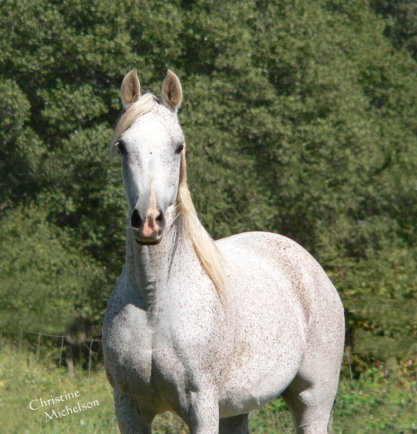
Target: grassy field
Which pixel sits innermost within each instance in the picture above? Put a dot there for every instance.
(372, 404)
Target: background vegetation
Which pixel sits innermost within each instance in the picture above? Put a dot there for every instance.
(300, 118)
(373, 404)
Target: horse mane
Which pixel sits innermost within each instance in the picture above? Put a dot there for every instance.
(204, 247)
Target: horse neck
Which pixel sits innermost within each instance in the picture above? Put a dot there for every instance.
(148, 267)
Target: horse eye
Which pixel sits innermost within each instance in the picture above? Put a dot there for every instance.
(121, 147)
(179, 149)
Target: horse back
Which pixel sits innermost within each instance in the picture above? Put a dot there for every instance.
(274, 265)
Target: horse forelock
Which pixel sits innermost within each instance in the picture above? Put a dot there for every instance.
(140, 107)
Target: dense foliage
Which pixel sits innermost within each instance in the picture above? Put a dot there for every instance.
(300, 118)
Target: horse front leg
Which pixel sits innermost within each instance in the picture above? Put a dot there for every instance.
(203, 414)
(130, 418)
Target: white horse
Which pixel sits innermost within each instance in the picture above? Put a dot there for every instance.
(210, 330)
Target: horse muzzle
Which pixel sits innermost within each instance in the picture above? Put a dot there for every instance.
(148, 231)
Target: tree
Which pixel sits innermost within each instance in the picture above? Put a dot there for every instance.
(300, 118)
(44, 282)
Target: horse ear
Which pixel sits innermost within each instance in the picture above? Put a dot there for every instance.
(130, 90)
(172, 90)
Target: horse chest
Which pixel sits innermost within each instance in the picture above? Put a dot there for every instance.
(127, 344)
(139, 355)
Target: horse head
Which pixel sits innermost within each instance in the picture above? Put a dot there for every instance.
(151, 144)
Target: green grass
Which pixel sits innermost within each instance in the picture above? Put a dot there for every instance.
(372, 404)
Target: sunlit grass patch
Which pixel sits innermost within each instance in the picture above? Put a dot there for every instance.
(372, 404)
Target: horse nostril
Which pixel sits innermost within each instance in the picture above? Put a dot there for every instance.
(135, 220)
(160, 217)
